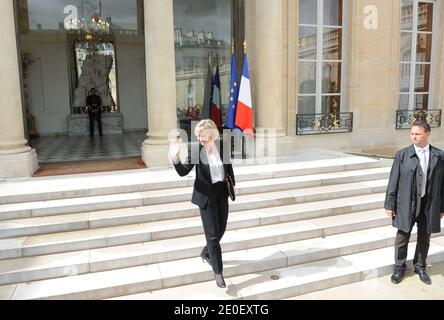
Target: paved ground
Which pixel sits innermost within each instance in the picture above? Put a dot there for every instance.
(71, 149)
(55, 169)
(411, 288)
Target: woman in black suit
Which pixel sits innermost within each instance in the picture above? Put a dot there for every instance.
(210, 192)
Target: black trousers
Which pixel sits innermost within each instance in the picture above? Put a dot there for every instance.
(214, 221)
(422, 244)
(92, 117)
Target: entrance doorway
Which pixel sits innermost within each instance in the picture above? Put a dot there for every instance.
(55, 40)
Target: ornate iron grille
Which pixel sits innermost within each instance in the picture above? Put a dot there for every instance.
(324, 123)
(405, 118)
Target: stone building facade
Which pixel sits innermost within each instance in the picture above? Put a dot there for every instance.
(374, 60)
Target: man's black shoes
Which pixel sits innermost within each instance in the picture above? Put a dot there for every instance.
(398, 275)
(423, 276)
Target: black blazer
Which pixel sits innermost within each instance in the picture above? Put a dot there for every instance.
(203, 186)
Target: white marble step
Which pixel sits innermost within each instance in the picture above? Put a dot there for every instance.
(271, 185)
(87, 185)
(85, 238)
(248, 274)
(117, 257)
(136, 199)
(256, 202)
(315, 276)
(70, 205)
(295, 280)
(143, 214)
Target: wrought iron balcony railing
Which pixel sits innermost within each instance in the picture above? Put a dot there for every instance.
(405, 118)
(324, 123)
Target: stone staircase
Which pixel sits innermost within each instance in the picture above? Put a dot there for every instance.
(296, 227)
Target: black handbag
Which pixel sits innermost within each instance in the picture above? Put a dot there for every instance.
(230, 187)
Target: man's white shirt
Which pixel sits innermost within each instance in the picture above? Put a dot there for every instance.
(424, 156)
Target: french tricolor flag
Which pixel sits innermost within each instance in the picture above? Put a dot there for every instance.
(215, 110)
(244, 110)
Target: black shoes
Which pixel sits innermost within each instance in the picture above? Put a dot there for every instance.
(398, 275)
(423, 276)
(220, 281)
(205, 258)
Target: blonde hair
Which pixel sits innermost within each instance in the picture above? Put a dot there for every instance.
(208, 126)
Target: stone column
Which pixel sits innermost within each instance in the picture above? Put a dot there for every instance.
(16, 159)
(160, 80)
(269, 85)
(438, 85)
(373, 41)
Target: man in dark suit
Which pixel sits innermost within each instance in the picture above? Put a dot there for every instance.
(415, 194)
(94, 107)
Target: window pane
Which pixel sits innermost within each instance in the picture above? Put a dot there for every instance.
(308, 12)
(307, 43)
(202, 29)
(407, 15)
(332, 44)
(422, 81)
(48, 16)
(307, 77)
(403, 102)
(333, 12)
(331, 104)
(421, 101)
(425, 16)
(424, 48)
(404, 77)
(406, 46)
(331, 77)
(306, 105)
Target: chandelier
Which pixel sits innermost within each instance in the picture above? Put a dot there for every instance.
(90, 35)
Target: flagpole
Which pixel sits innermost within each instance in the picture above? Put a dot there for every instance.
(220, 96)
(83, 11)
(211, 86)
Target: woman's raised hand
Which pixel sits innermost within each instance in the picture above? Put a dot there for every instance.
(175, 149)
